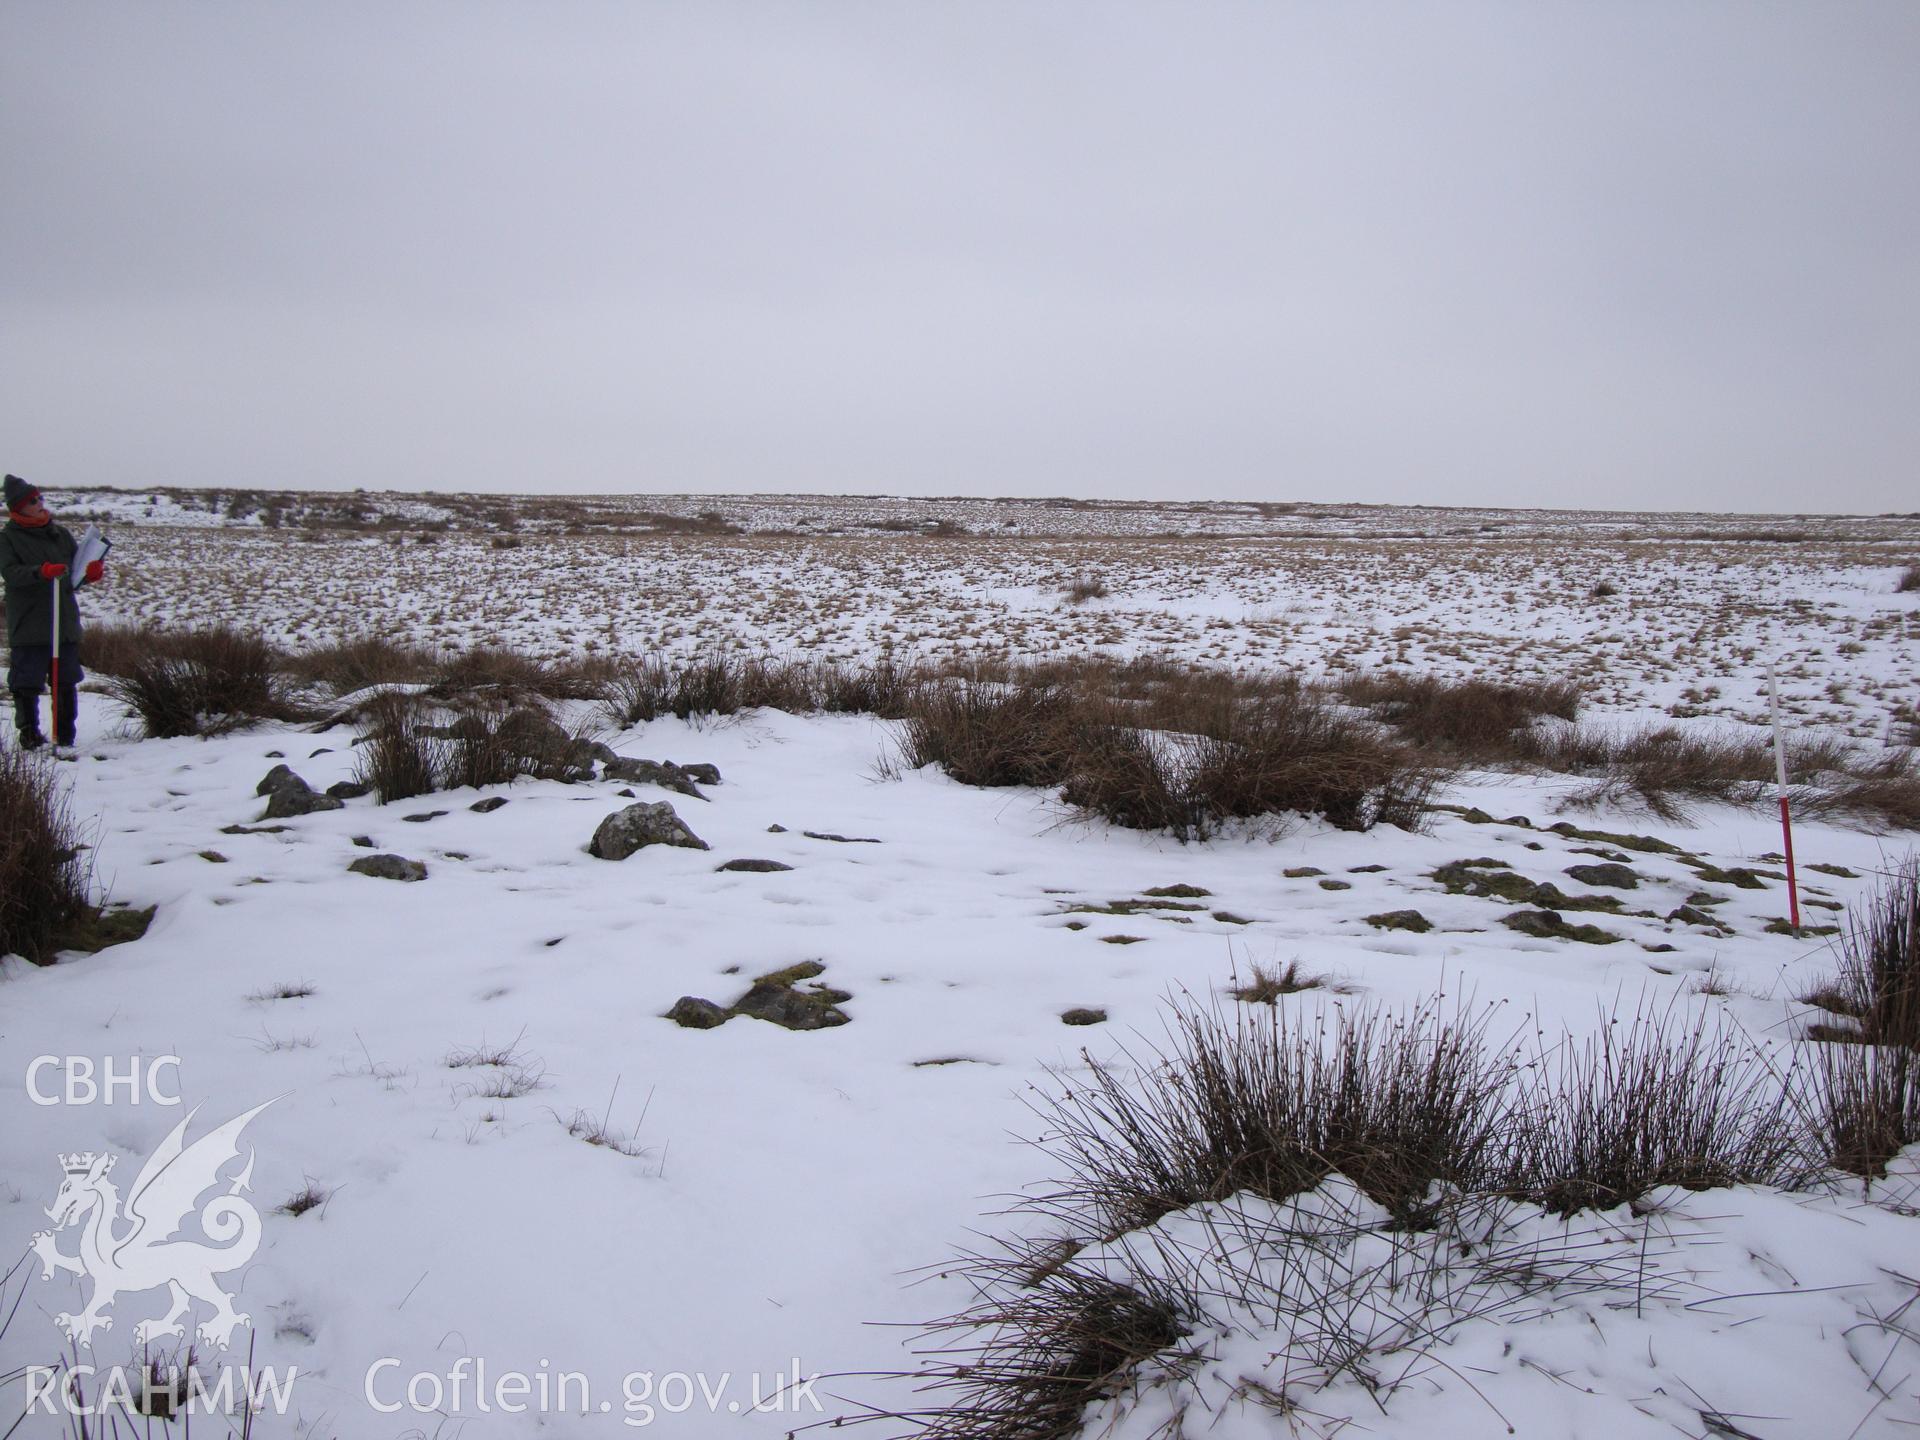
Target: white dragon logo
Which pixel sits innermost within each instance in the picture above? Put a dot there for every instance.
(145, 1255)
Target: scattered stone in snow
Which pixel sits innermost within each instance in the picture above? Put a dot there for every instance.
(1366, 869)
(791, 975)
(1781, 927)
(389, 867)
(1132, 907)
(93, 930)
(288, 795)
(1644, 843)
(1178, 892)
(949, 1060)
(1485, 880)
(701, 773)
(284, 804)
(254, 829)
(638, 826)
(275, 755)
(839, 839)
(1550, 925)
(776, 829)
(1738, 877)
(276, 778)
(1549, 896)
(627, 792)
(213, 857)
(1226, 917)
(754, 867)
(1303, 872)
(1401, 920)
(665, 774)
(348, 790)
(323, 750)
(1618, 877)
(1083, 1017)
(1842, 871)
(793, 1009)
(488, 805)
(365, 842)
(1688, 915)
(1617, 856)
(693, 1013)
(773, 998)
(423, 816)
(1336, 884)
(1121, 939)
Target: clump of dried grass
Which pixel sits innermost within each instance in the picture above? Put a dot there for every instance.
(43, 881)
(1127, 746)
(1671, 1098)
(1344, 1180)
(1668, 770)
(366, 660)
(1880, 959)
(201, 682)
(397, 759)
(1272, 1102)
(1870, 1070)
(407, 750)
(1474, 718)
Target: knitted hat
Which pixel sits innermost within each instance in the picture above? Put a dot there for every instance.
(19, 492)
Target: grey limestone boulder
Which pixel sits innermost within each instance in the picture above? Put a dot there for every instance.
(638, 826)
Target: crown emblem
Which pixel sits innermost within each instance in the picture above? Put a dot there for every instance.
(80, 1164)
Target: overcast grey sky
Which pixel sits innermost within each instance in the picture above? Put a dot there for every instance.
(1644, 253)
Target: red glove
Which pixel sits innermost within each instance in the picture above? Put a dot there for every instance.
(95, 569)
(52, 570)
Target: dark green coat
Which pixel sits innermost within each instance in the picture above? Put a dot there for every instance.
(23, 550)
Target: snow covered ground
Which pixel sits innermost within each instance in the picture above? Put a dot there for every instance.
(1689, 610)
(429, 1048)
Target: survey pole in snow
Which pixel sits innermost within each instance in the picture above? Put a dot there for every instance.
(53, 665)
(1786, 817)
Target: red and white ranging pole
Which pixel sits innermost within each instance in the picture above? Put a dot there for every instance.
(53, 666)
(1786, 817)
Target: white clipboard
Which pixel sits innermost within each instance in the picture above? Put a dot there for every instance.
(93, 546)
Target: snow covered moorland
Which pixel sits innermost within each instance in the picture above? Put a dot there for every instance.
(977, 974)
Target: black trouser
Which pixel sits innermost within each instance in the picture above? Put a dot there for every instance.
(27, 676)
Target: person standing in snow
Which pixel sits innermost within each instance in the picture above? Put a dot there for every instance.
(34, 553)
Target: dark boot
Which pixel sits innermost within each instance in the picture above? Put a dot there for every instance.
(67, 722)
(26, 719)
